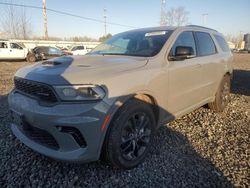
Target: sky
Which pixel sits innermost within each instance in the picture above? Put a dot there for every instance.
(226, 16)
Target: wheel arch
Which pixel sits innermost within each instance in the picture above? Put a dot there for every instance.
(114, 110)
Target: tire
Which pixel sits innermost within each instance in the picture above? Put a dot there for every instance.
(31, 58)
(222, 96)
(127, 143)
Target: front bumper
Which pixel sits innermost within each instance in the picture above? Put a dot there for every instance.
(62, 124)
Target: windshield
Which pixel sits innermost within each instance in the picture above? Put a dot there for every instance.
(135, 43)
(21, 44)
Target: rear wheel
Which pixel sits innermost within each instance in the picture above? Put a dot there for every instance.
(222, 96)
(31, 58)
(129, 138)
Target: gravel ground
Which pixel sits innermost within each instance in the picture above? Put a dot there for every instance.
(202, 149)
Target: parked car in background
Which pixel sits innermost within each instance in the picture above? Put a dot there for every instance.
(11, 50)
(79, 50)
(110, 102)
(45, 52)
(244, 51)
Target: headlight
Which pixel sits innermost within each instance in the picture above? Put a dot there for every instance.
(80, 92)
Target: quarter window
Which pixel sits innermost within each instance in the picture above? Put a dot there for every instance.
(185, 39)
(222, 43)
(205, 44)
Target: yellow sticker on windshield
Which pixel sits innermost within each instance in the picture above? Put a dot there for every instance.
(155, 33)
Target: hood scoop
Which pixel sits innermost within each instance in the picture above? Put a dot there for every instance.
(51, 63)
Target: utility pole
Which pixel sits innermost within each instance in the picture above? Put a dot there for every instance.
(240, 40)
(162, 19)
(45, 20)
(204, 19)
(105, 20)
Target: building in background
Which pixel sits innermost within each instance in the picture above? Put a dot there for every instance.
(231, 45)
(246, 40)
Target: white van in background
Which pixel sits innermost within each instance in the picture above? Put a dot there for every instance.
(79, 50)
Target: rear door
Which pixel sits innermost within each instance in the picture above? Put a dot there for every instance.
(209, 59)
(184, 77)
(4, 50)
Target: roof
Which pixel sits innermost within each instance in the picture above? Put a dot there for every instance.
(202, 27)
(163, 28)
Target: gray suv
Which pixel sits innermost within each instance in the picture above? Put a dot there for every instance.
(110, 102)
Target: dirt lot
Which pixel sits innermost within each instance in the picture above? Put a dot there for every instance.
(201, 149)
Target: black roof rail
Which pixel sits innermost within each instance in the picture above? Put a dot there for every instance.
(201, 27)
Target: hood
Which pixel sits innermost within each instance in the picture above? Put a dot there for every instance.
(80, 69)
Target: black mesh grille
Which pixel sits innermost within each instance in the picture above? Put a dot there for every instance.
(35, 89)
(40, 136)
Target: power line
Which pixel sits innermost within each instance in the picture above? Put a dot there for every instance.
(66, 13)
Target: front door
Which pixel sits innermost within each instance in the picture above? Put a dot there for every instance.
(16, 51)
(184, 77)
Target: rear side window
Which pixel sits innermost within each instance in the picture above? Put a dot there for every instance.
(205, 44)
(222, 43)
(3, 45)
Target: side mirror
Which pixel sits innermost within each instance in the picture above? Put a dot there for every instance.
(183, 52)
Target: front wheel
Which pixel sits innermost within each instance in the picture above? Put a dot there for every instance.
(222, 96)
(130, 135)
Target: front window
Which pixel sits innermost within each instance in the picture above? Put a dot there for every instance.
(185, 39)
(134, 43)
(15, 46)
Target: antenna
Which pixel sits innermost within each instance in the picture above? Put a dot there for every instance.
(45, 20)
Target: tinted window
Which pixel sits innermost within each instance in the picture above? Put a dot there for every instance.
(205, 44)
(222, 43)
(3, 45)
(54, 51)
(41, 50)
(80, 48)
(15, 46)
(74, 48)
(184, 39)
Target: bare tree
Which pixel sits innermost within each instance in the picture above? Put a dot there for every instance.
(25, 26)
(177, 16)
(14, 22)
